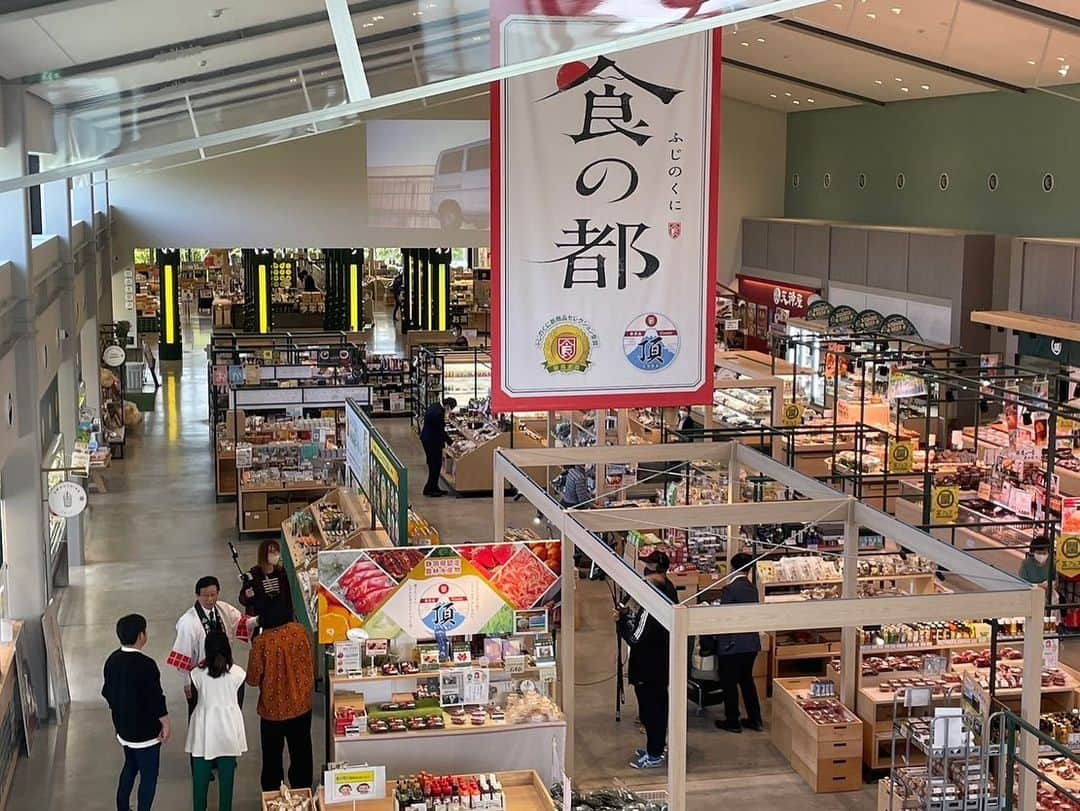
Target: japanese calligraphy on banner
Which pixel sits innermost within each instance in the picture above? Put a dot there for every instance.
(604, 200)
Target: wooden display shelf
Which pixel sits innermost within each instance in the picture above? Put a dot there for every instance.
(524, 791)
(473, 471)
(450, 729)
(826, 756)
(259, 518)
(1022, 322)
(8, 701)
(270, 795)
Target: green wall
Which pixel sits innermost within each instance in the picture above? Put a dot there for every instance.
(1021, 137)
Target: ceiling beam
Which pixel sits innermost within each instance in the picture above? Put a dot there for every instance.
(193, 46)
(12, 10)
(889, 53)
(823, 88)
(356, 83)
(1037, 13)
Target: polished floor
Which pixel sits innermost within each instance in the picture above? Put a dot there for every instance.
(159, 528)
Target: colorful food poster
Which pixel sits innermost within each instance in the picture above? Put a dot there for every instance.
(421, 591)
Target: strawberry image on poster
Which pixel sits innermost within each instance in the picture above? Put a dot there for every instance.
(363, 587)
(524, 579)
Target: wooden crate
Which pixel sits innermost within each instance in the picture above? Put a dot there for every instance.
(830, 775)
(269, 795)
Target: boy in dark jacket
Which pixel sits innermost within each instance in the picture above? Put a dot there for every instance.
(133, 691)
(735, 654)
(649, 641)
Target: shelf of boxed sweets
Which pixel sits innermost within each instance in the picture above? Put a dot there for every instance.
(811, 577)
(340, 519)
(497, 791)
(817, 734)
(390, 381)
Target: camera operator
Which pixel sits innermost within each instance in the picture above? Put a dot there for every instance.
(648, 641)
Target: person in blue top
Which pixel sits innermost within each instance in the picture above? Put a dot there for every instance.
(576, 493)
(1035, 568)
(434, 438)
(735, 654)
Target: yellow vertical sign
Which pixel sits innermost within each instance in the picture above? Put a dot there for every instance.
(945, 504)
(264, 304)
(430, 299)
(354, 297)
(169, 286)
(443, 303)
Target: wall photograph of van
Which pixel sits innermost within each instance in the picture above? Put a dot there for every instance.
(429, 174)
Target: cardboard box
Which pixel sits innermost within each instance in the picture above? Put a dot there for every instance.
(254, 502)
(255, 520)
(296, 505)
(276, 514)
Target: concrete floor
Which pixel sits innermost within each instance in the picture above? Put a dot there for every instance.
(159, 529)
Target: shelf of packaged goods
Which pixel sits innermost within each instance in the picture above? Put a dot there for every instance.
(522, 791)
(427, 674)
(863, 578)
(911, 729)
(449, 729)
(951, 644)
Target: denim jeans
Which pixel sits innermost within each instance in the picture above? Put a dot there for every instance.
(144, 764)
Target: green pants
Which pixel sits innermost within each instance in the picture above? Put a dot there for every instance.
(201, 769)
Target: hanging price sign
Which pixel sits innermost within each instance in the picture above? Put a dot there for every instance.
(901, 457)
(945, 504)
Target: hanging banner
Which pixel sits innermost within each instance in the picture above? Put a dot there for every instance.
(604, 215)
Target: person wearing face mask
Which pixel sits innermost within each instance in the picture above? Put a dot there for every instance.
(648, 666)
(266, 581)
(1035, 568)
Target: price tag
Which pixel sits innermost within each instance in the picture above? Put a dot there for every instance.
(1067, 555)
(547, 674)
(901, 457)
(515, 664)
(945, 504)
(791, 415)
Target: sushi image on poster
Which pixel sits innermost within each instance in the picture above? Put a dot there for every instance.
(420, 592)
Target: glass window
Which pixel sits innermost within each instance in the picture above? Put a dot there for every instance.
(479, 157)
(450, 162)
(33, 166)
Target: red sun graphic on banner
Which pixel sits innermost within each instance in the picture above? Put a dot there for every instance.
(570, 73)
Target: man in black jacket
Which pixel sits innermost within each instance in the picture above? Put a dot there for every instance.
(735, 654)
(133, 690)
(649, 642)
(434, 438)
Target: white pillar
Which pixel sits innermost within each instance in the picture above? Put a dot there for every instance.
(567, 649)
(849, 640)
(21, 476)
(1031, 695)
(678, 668)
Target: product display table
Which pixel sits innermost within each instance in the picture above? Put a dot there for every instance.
(11, 717)
(524, 791)
(463, 750)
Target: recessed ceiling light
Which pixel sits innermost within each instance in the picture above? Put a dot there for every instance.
(772, 95)
(1061, 59)
(903, 90)
(896, 9)
(794, 101)
(1063, 71)
(809, 101)
(897, 78)
(871, 15)
(788, 95)
(368, 25)
(378, 18)
(925, 87)
(418, 14)
(878, 81)
(477, 38)
(761, 39)
(745, 44)
(838, 5)
(1031, 61)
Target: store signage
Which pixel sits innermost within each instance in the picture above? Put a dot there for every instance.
(425, 592)
(901, 457)
(1047, 348)
(732, 324)
(843, 316)
(945, 504)
(897, 325)
(604, 214)
(67, 499)
(1067, 554)
(869, 321)
(903, 385)
(819, 310)
(354, 784)
(791, 415)
(113, 356)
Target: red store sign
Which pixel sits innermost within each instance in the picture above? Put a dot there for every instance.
(770, 303)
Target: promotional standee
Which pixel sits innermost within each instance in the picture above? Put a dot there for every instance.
(604, 218)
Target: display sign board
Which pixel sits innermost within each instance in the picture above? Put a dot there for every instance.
(868, 321)
(354, 784)
(1067, 555)
(901, 457)
(897, 325)
(113, 355)
(944, 504)
(903, 385)
(819, 310)
(604, 210)
(843, 316)
(791, 415)
(389, 491)
(357, 446)
(428, 591)
(67, 499)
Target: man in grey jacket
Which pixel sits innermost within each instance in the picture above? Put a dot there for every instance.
(735, 654)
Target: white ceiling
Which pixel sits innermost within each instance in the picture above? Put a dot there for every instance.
(837, 62)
